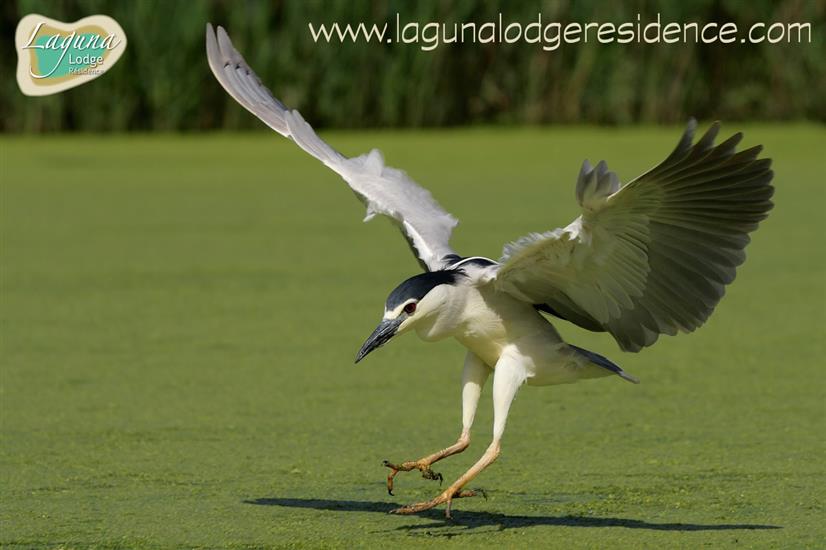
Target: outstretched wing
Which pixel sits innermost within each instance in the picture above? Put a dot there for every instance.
(383, 190)
(654, 256)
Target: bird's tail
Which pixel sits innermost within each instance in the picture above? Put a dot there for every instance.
(605, 363)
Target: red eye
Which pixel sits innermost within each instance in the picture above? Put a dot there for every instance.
(410, 308)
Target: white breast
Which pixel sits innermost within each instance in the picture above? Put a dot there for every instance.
(494, 322)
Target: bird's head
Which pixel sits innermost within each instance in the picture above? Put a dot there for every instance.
(416, 302)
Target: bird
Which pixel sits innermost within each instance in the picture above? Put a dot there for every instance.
(649, 257)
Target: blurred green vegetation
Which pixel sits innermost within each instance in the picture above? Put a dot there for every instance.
(163, 83)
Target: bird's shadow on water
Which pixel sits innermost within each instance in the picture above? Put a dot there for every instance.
(473, 520)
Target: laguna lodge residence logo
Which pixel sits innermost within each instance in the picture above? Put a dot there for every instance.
(53, 56)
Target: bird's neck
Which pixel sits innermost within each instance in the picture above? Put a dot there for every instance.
(479, 317)
(447, 320)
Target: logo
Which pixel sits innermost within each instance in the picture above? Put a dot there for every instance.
(54, 56)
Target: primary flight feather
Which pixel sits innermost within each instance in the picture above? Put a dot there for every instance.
(653, 256)
(382, 189)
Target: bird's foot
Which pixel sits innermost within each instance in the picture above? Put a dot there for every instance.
(421, 465)
(446, 497)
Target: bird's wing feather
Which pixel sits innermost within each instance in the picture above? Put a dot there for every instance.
(654, 256)
(383, 190)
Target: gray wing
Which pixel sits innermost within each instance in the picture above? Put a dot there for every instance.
(654, 256)
(383, 190)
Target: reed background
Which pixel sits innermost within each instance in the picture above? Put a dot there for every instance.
(159, 83)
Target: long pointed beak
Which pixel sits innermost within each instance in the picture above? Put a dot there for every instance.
(383, 333)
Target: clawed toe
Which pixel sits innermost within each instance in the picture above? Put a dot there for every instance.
(427, 473)
(419, 507)
(472, 493)
(442, 498)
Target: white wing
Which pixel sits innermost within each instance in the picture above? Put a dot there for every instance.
(382, 189)
(652, 257)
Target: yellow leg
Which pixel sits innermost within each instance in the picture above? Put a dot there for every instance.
(508, 376)
(456, 488)
(474, 375)
(424, 464)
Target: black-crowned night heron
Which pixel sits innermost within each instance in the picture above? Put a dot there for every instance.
(651, 257)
